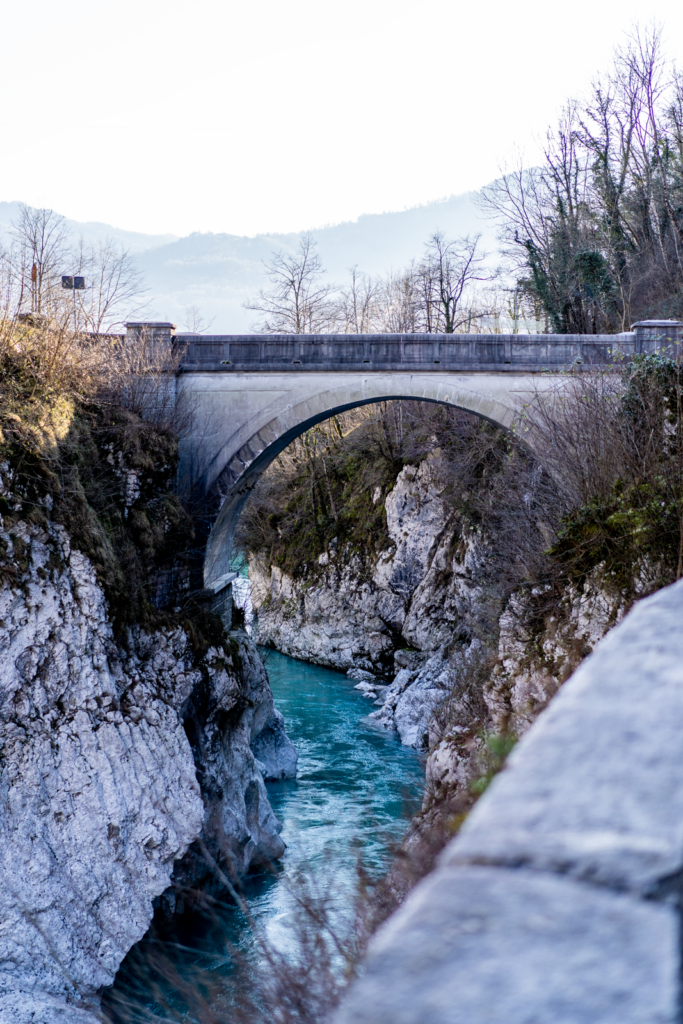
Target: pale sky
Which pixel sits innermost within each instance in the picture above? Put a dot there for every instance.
(161, 115)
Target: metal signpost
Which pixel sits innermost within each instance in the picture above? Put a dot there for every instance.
(76, 284)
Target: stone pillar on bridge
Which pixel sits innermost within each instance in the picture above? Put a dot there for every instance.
(658, 335)
(158, 330)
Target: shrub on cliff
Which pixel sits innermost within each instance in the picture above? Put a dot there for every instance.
(76, 449)
(615, 441)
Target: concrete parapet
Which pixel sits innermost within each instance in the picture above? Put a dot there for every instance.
(654, 335)
(154, 330)
(558, 902)
(482, 945)
(232, 353)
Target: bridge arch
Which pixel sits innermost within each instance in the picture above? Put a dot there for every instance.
(236, 467)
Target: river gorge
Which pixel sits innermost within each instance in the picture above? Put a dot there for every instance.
(419, 600)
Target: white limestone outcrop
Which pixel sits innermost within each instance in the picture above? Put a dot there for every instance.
(99, 788)
(370, 622)
(347, 615)
(409, 703)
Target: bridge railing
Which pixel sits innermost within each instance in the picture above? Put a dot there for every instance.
(413, 352)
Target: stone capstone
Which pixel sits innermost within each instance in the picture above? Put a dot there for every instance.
(483, 946)
(595, 788)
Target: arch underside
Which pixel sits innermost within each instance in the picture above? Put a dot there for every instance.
(263, 442)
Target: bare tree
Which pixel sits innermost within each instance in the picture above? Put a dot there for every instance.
(357, 304)
(595, 233)
(298, 302)
(114, 286)
(444, 273)
(437, 294)
(397, 303)
(42, 251)
(41, 246)
(195, 322)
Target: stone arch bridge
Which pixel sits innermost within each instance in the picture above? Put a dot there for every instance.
(251, 395)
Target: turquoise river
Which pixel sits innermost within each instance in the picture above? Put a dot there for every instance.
(355, 791)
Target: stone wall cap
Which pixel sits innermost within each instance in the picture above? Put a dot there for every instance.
(482, 945)
(657, 323)
(154, 324)
(594, 789)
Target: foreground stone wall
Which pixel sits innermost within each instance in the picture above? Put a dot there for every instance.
(558, 902)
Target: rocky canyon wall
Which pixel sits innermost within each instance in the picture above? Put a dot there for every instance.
(118, 751)
(449, 650)
(425, 612)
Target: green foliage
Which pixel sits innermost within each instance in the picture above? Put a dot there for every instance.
(496, 749)
(337, 505)
(572, 283)
(331, 494)
(656, 377)
(116, 500)
(635, 531)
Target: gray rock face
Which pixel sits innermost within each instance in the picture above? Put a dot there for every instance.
(520, 686)
(414, 696)
(405, 612)
(353, 617)
(231, 723)
(274, 750)
(418, 592)
(99, 794)
(557, 901)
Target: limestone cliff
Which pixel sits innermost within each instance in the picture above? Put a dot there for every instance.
(352, 612)
(466, 654)
(117, 752)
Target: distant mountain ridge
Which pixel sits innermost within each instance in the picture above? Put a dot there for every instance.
(219, 272)
(136, 241)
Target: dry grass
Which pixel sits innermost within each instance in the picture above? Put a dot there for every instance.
(174, 974)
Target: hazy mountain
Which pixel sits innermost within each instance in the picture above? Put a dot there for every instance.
(219, 272)
(92, 230)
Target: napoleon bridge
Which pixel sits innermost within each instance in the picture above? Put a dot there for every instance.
(251, 395)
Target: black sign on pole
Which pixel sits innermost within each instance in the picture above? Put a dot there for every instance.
(73, 284)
